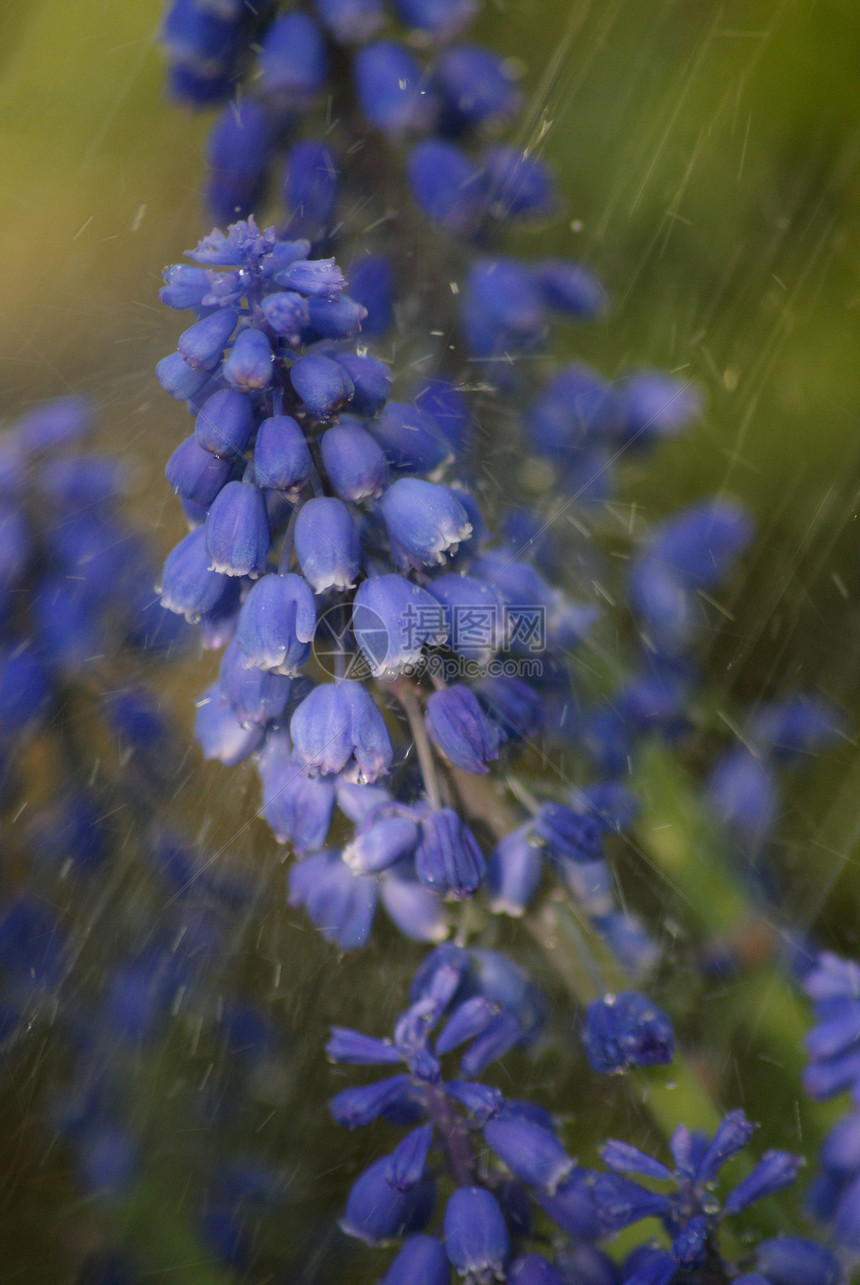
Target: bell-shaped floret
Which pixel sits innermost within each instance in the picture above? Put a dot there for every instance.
(371, 381)
(421, 1261)
(354, 462)
(277, 623)
(392, 620)
(376, 1211)
(448, 858)
(293, 60)
(529, 1150)
(297, 807)
(179, 379)
(475, 87)
(238, 150)
(518, 184)
(202, 345)
(237, 531)
(225, 423)
(188, 585)
(340, 903)
(321, 384)
(392, 89)
(425, 521)
(476, 1235)
(371, 283)
(514, 873)
(411, 438)
(282, 457)
(338, 728)
(196, 474)
(249, 366)
(445, 184)
(379, 844)
(220, 734)
(310, 189)
(327, 544)
(255, 696)
(459, 728)
(569, 288)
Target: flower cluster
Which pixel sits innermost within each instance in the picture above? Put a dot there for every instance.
(833, 1045)
(384, 650)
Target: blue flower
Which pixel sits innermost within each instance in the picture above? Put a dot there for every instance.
(293, 59)
(448, 858)
(338, 729)
(277, 623)
(237, 531)
(691, 1213)
(626, 1030)
(476, 1235)
(327, 544)
(351, 21)
(391, 88)
(425, 522)
(459, 728)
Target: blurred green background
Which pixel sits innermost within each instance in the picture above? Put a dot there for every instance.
(709, 153)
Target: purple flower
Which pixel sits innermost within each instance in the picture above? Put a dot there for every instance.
(351, 21)
(448, 858)
(293, 59)
(188, 584)
(310, 189)
(321, 384)
(282, 458)
(277, 623)
(225, 423)
(476, 1236)
(459, 728)
(626, 1030)
(391, 88)
(425, 522)
(237, 531)
(327, 543)
(338, 728)
(354, 462)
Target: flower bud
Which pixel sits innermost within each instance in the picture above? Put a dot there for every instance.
(249, 366)
(448, 858)
(327, 544)
(321, 384)
(458, 726)
(338, 728)
(293, 59)
(354, 462)
(282, 458)
(277, 623)
(476, 1237)
(391, 88)
(237, 531)
(424, 521)
(225, 423)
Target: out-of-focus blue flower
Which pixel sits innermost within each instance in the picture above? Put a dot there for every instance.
(392, 89)
(627, 1030)
(293, 60)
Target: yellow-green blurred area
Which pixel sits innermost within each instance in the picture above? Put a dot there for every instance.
(708, 153)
